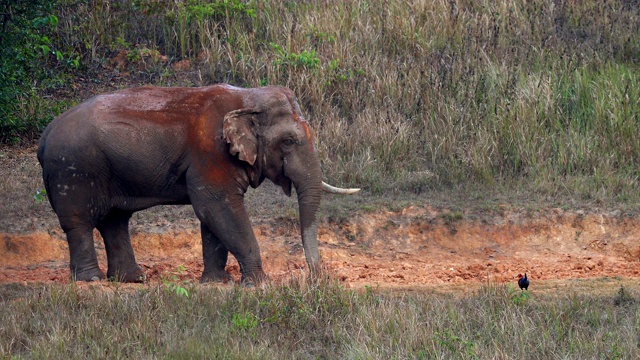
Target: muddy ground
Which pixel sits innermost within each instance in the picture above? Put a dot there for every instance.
(410, 244)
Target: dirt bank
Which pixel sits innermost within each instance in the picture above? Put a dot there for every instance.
(412, 247)
(417, 246)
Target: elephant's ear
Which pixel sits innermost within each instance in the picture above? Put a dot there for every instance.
(238, 131)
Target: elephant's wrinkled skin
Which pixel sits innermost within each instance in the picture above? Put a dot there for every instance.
(129, 150)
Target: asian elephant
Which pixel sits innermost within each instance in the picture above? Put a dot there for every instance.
(129, 150)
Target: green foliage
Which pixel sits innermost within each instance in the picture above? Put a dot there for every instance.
(518, 296)
(174, 284)
(245, 322)
(40, 196)
(305, 59)
(220, 9)
(32, 62)
(451, 217)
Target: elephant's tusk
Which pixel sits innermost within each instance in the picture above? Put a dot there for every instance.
(336, 190)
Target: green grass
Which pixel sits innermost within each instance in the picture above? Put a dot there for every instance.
(313, 319)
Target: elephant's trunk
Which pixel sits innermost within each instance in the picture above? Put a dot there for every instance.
(309, 196)
(307, 180)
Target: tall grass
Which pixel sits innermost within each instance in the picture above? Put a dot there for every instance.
(313, 319)
(414, 95)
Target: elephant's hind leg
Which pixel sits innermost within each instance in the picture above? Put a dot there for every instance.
(215, 256)
(83, 260)
(114, 228)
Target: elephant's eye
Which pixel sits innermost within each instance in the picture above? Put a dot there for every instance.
(288, 142)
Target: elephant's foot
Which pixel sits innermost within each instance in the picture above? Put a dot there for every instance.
(134, 274)
(215, 276)
(254, 278)
(90, 274)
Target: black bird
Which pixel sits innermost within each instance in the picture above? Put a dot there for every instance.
(523, 282)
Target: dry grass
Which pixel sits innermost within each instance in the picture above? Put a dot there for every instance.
(21, 180)
(305, 318)
(414, 95)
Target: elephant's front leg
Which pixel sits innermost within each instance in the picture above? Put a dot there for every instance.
(228, 225)
(215, 255)
(114, 228)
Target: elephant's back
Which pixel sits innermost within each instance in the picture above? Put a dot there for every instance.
(144, 115)
(69, 126)
(161, 103)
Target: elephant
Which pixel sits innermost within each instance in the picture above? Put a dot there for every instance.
(128, 150)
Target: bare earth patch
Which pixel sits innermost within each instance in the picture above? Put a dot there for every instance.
(416, 247)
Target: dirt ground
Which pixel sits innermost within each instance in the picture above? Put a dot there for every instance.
(417, 246)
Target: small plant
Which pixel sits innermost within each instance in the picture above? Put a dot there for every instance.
(520, 297)
(40, 196)
(451, 217)
(340, 74)
(173, 283)
(305, 59)
(246, 322)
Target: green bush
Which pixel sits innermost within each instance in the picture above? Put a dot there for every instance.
(32, 63)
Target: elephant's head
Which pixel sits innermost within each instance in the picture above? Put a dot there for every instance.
(272, 137)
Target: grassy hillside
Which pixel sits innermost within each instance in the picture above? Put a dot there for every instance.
(403, 95)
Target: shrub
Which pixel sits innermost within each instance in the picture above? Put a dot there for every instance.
(31, 62)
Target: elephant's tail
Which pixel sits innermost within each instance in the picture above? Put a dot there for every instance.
(42, 146)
